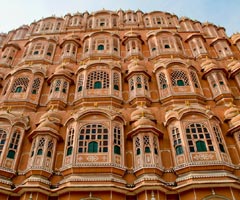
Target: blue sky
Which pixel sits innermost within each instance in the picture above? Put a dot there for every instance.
(226, 13)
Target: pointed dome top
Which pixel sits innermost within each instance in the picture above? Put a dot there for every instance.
(208, 64)
(136, 66)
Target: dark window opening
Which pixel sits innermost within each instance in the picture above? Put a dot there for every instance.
(100, 47)
(201, 146)
(138, 151)
(167, 46)
(116, 87)
(79, 88)
(180, 82)
(179, 150)
(154, 49)
(11, 154)
(49, 154)
(39, 152)
(93, 147)
(221, 147)
(139, 85)
(97, 85)
(69, 151)
(147, 150)
(18, 89)
(117, 150)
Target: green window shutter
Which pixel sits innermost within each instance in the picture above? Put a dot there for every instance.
(201, 146)
(11, 154)
(147, 150)
(117, 150)
(18, 89)
(93, 147)
(69, 151)
(100, 47)
(180, 82)
(116, 87)
(97, 85)
(39, 152)
(179, 150)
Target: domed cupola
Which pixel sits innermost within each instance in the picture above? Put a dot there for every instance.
(232, 116)
(142, 117)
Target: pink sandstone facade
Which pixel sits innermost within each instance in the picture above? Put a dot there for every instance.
(119, 105)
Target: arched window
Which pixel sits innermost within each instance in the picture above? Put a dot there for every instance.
(69, 143)
(65, 86)
(20, 85)
(100, 47)
(137, 145)
(139, 82)
(93, 138)
(13, 145)
(155, 145)
(219, 139)
(179, 78)
(131, 84)
(180, 82)
(199, 138)
(57, 86)
(117, 140)
(39, 152)
(162, 81)
(18, 89)
(40, 147)
(179, 150)
(116, 81)
(98, 76)
(35, 85)
(177, 142)
(50, 149)
(3, 136)
(146, 144)
(194, 79)
(80, 83)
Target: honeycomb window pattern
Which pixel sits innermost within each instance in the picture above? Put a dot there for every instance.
(98, 76)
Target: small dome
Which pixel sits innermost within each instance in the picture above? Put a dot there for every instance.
(208, 64)
(143, 121)
(135, 66)
(140, 112)
(47, 124)
(63, 70)
(51, 119)
(235, 121)
(231, 112)
(233, 65)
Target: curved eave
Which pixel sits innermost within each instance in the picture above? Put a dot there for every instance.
(144, 129)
